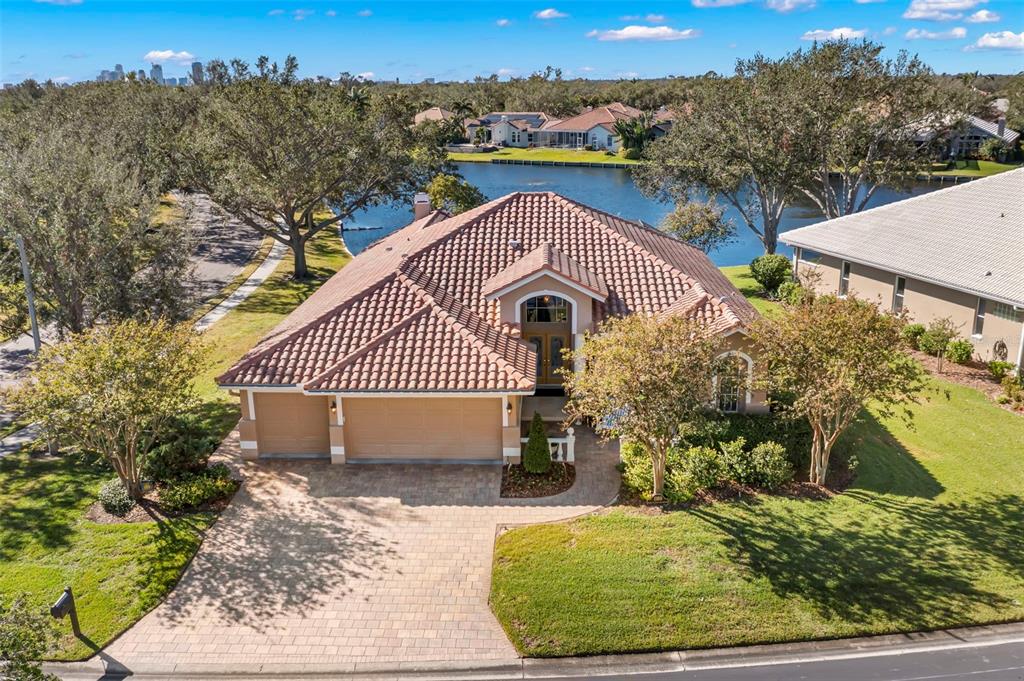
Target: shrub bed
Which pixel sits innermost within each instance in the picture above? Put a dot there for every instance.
(115, 499)
(198, 490)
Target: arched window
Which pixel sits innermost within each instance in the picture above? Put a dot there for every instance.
(547, 308)
(732, 385)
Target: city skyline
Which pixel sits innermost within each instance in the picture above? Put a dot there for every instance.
(457, 41)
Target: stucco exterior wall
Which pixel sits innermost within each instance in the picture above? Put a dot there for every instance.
(292, 423)
(583, 307)
(756, 399)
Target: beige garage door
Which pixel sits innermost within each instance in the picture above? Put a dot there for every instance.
(287, 423)
(422, 428)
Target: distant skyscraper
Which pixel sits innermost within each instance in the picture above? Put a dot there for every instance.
(118, 72)
(157, 73)
(197, 72)
(105, 75)
(141, 74)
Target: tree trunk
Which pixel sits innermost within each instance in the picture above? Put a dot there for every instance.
(298, 246)
(659, 455)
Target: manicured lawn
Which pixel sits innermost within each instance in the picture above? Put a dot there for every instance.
(118, 572)
(929, 535)
(570, 155)
(740, 277)
(975, 168)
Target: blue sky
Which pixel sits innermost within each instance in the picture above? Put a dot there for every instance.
(72, 40)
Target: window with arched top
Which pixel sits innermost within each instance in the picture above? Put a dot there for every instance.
(732, 384)
(547, 308)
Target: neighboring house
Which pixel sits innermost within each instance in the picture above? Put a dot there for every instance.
(594, 127)
(956, 252)
(434, 113)
(500, 126)
(967, 138)
(425, 345)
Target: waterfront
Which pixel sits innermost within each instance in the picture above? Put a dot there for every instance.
(607, 189)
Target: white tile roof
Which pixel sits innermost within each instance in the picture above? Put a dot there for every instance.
(968, 237)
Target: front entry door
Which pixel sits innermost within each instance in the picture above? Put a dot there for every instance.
(549, 348)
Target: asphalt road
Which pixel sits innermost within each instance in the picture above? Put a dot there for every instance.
(1004, 662)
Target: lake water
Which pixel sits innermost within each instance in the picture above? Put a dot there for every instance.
(608, 189)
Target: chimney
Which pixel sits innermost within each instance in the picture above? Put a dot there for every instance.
(1002, 125)
(420, 206)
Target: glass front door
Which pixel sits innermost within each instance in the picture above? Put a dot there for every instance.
(549, 347)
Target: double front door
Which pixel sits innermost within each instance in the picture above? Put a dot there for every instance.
(549, 347)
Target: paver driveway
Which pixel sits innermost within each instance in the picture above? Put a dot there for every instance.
(351, 564)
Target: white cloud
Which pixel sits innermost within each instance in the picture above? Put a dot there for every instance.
(784, 6)
(64, 3)
(939, 10)
(62, 79)
(1000, 40)
(331, 13)
(983, 16)
(275, 12)
(649, 18)
(301, 14)
(169, 56)
(365, 13)
(647, 33)
(889, 30)
(921, 34)
(586, 69)
(550, 13)
(502, 22)
(841, 33)
(365, 75)
(506, 72)
(718, 3)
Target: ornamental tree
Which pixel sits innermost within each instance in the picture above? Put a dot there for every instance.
(835, 356)
(645, 379)
(701, 224)
(453, 194)
(114, 391)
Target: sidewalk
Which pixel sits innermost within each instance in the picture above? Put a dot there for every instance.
(105, 667)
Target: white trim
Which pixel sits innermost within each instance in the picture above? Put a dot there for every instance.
(249, 444)
(504, 411)
(979, 311)
(545, 272)
(1020, 353)
(337, 450)
(340, 416)
(750, 373)
(535, 294)
(383, 393)
(252, 405)
(843, 265)
(895, 288)
(511, 452)
(263, 388)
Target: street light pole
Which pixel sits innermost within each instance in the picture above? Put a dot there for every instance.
(26, 274)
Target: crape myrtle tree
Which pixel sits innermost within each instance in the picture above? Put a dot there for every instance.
(81, 174)
(873, 122)
(645, 379)
(742, 138)
(701, 224)
(114, 391)
(835, 356)
(275, 151)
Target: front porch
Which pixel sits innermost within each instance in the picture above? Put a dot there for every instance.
(562, 441)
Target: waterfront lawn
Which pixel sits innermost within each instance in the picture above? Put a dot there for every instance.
(928, 536)
(740, 277)
(118, 572)
(972, 168)
(564, 155)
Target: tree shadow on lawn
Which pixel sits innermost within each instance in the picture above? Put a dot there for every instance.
(885, 465)
(45, 498)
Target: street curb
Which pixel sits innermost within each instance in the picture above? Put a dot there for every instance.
(567, 667)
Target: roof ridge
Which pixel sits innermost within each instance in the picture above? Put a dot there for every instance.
(369, 345)
(247, 360)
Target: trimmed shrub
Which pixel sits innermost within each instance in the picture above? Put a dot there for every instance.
(537, 458)
(115, 499)
(736, 462)
(769, 465)
(936, 339)
(588, 147)
(630, 154)
(999, 369)
(184, 453)
(679, 487)
(793, 293)
(960, 351)
(196, 490)
(1013, 390)
(793, 434)
(912, 334)
(637, 473)
(703, 467)
(770, 271)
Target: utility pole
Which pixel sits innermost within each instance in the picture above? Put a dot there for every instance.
(26, 274)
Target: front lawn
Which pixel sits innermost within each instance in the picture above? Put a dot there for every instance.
(739, 276)
(973, 168)
(564, 155)
(929, 535)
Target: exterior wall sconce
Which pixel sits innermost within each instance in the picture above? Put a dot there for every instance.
(508, 407)
(334, 406)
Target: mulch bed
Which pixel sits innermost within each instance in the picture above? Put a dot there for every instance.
(149, 510)
(972, 375)
(516, 483)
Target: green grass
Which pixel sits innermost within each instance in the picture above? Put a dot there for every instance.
(570, 155)
(973, 168)
(928, 536)
(118, 572)
(740, 277)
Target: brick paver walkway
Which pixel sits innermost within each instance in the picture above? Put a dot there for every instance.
(351, 564)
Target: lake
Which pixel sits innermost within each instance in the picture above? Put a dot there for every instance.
(608, 189)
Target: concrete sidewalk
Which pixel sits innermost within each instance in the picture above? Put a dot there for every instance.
(767, 656)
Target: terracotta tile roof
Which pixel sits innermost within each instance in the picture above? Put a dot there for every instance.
(604, 116)
(546, 257)
(411, 312)
(434, 113)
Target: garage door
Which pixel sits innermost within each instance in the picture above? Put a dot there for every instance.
(287, 423)
(428, 428)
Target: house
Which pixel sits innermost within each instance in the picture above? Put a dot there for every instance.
(956, 252)
(425, 346)
(966, 139)
(594, 127)
(511, 128)
(434, 113)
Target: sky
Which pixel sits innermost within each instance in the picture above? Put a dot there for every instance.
(72, 40)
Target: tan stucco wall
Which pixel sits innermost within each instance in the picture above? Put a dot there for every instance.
(292, 423)
(423, 428)
(741, 343)
(923, 301)
(583, 303)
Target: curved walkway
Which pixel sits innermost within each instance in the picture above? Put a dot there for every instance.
(355, 564)
(266, 268)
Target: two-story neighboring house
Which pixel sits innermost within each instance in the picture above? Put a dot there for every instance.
(956, 252)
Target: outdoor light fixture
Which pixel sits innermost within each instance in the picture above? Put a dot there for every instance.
(334, 406)
(508, 407)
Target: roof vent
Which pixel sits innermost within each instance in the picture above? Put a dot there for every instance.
(515, 244)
